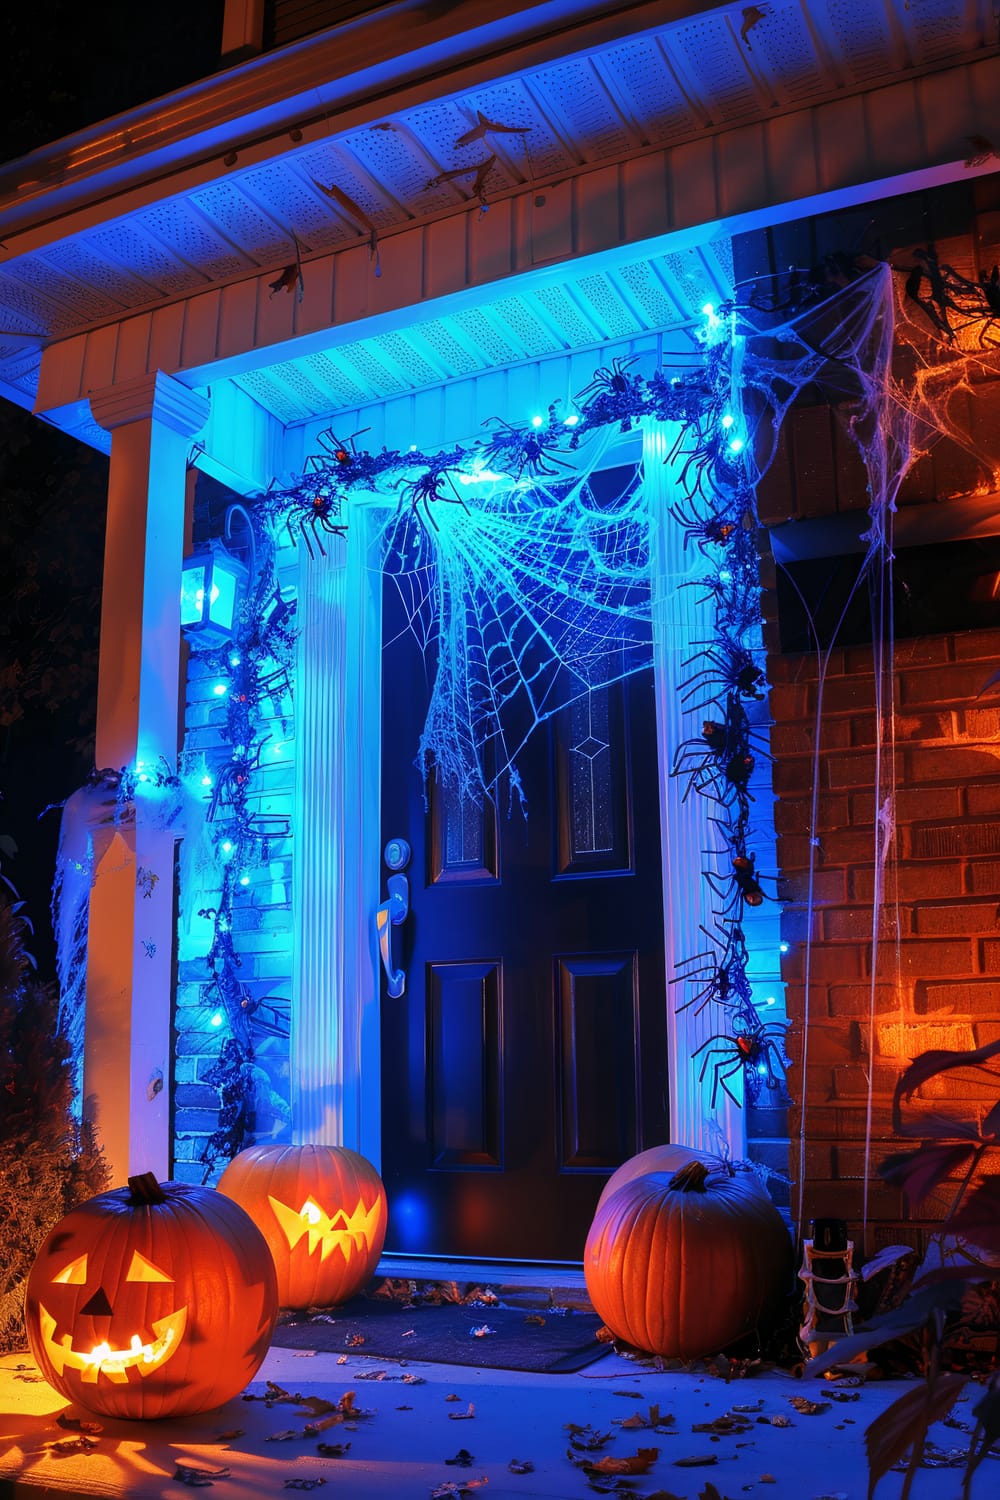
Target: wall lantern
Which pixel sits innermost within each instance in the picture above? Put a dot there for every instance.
(213, 584)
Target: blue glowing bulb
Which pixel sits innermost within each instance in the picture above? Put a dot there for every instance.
(571, 421)
(227, 846)
(770, 1000)
(736, 446)
(218, 1018)
(244, 880)
(234, 660)
(728, 420)
(783, 947)
(725, 576)
(708, 309)
(219, 690)
(537, 421)
(206, 780)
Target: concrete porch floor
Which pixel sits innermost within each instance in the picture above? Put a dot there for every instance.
(418, 1415)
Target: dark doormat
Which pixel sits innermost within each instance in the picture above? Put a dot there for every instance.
(553, 1341)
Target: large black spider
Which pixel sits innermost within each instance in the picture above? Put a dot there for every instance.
(720, 762)
(720, 974)
(315, 516)
(613, 395)
(756, 1049)
(534, 450)
(728, 666)
(428, 489)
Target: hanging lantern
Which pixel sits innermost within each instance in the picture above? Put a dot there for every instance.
(322, 1210)
(213, 583)
(155, 1300)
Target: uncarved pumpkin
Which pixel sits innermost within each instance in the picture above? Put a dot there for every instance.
(322, 1210)
(685, 1263)
(155, 1300)
(670, 1158)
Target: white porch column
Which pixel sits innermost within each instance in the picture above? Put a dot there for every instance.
(126, 1065)
(335, 989)
(680, 621)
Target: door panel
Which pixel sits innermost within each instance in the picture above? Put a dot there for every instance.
(527, 1057)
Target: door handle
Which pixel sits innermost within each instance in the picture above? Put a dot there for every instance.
(390, 916)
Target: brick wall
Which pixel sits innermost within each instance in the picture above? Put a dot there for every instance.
(262, 914)
(942, 890)
(936, 944)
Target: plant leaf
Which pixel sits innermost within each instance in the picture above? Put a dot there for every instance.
(888, 1256)
(929, 1064)
(978, 1218)
(902, 1425)
(987, 1414)
(919, 1172)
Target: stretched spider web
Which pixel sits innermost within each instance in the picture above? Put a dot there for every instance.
(528, 593)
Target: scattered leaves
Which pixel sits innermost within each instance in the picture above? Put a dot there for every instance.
(77, 1424)
(587, 1439)
(77, 1443)
(286, 1435)
(808, 1408)
(333, 1450)
(521, 1466)
(198, 1477)
(482, 1332)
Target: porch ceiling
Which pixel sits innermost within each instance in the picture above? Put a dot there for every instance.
(701, 74)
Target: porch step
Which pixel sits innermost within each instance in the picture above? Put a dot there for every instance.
(516, 1283)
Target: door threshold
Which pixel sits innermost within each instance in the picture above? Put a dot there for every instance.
(519, 1282)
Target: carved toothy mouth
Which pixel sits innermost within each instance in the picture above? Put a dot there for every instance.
(347, 1233)
(113, 1363)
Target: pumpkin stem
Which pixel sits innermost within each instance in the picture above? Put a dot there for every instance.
(145, 1189)
(690, 1178)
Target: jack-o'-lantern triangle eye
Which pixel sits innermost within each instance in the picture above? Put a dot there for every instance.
(142, 1269)
(75, 1274)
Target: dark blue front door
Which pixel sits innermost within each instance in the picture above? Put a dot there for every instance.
(526, 1057)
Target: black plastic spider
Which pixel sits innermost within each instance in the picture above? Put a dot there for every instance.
(756, 1050)
(721, 975)
(720, 762)
(613, 395)
(741, 888)
(428, 489)
(534, 450)
(728, 666)
(317, 516)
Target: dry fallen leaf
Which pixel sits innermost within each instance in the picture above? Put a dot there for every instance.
(639, 1463)
(808, 1408)
(462, 1416)
(521, 1466)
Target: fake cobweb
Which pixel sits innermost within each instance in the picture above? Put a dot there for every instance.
(525, 593)
(523, 561)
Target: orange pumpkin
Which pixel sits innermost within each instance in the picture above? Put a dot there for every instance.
(155, 1300)
(685, 1264)
(322, 1210)
(670, 1158)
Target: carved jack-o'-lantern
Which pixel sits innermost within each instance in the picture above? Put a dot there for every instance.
(154, 1300)
(322, 1210)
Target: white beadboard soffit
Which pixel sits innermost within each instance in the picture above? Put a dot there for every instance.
(708, 72)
